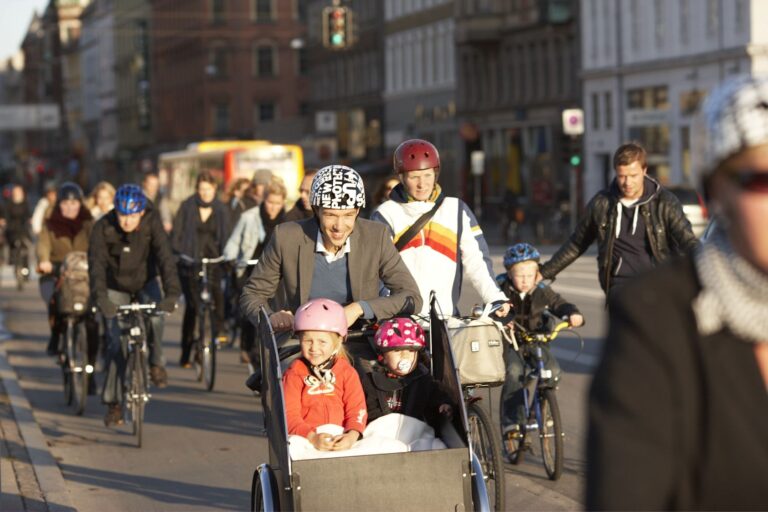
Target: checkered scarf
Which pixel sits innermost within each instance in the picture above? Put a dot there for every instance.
(734, 294)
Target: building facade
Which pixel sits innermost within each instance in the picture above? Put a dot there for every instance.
(420, 84)
(646, 67)
(346, 100)
(227, 69)
(11, 142)
(518, 64)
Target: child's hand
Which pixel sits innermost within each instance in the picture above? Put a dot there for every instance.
(345, 441)
(576, 320)
(445, 409)
(322, 442)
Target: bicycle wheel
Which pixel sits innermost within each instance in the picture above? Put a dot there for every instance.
(78, 360)
(136, 380)
(551, 434)
(66, 364)
(209, 353)
(486, 445)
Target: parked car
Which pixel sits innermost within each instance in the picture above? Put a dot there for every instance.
(693, 207)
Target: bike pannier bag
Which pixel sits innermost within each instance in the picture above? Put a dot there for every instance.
(73, 291)
(478, 350)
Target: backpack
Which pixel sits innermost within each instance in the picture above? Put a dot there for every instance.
(73, 290)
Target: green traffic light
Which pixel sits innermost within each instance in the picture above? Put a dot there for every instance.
(575, 160)
(337, 39)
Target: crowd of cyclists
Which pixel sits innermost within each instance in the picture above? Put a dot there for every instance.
(417, 243)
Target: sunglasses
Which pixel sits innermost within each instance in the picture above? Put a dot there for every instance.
(750, 180)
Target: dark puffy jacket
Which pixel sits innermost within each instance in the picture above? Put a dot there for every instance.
(127, 261)
(529, 311)
(667, 229)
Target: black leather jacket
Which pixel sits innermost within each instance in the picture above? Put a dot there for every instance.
(667, 229)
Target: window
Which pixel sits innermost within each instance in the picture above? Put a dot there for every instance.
(304, 109)
(218, 61)
(608, 107)
(221, 119)
(262, 10)
(302, 64)
(217, 11)
(660, 27)
(713, 18)
(595, 111)
(265, 112)
(648, 98)
(264, 60)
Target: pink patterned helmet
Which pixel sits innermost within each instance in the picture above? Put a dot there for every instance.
(399, 334)
(321, 315)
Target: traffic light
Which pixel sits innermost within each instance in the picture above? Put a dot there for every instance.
(572, 153)
(337, 27)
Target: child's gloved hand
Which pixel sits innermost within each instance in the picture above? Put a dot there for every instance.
(346, 440)
(576, 320)
(445, 409)
(322, 442)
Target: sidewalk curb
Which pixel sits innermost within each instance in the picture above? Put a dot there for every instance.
(47, 471)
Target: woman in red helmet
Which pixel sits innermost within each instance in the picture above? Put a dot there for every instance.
(438, 237)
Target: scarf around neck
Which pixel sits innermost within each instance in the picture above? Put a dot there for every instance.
(734, 293)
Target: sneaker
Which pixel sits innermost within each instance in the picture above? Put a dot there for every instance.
(114, 415)
(158, 376)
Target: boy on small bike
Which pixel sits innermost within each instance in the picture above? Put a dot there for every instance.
(128, 246)
(529, 303)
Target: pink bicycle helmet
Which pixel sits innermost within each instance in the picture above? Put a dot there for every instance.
(399, 334)
(321, 315)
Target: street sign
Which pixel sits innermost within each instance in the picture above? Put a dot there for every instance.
(325, 121)
(477, 160)
(29, 117)
(573, 121)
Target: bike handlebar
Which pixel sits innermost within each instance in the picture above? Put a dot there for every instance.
(204, 261)
(125, 309)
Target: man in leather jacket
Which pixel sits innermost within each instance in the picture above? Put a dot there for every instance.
(636, 222)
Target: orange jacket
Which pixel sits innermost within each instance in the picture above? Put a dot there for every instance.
(311, 404)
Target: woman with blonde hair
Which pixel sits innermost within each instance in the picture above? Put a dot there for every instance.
(101, 200)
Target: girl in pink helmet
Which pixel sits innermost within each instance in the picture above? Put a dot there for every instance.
(324, 400)
(399, 382)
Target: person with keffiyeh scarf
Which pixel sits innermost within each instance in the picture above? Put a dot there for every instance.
(678, 408)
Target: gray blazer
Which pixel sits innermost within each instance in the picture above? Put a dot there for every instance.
(289, 258)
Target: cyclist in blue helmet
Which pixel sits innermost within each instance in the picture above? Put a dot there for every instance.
(528, 304)
(130, 199)
(129, 249)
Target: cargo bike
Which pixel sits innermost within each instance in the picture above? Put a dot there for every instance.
(445, 479)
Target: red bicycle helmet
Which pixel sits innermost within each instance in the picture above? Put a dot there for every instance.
(415, 155)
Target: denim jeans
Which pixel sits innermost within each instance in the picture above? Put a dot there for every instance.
(116, 351)
(512, 398)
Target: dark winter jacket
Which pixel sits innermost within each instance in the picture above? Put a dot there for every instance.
(529, 311)
(125, 262)
(677, 420)
(667, 229)
(297, 212)
(17, 216)
(184, 234)
(418, 394)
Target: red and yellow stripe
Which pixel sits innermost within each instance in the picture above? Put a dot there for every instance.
(437, 237)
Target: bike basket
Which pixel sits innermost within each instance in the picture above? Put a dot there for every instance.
(478, 350)
(72, 291)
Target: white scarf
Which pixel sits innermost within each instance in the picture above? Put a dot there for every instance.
(734, 294)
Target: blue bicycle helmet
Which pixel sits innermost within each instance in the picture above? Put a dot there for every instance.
(130, 199)
(520, 252)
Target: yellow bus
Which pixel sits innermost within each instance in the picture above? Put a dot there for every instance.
(229, 161)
